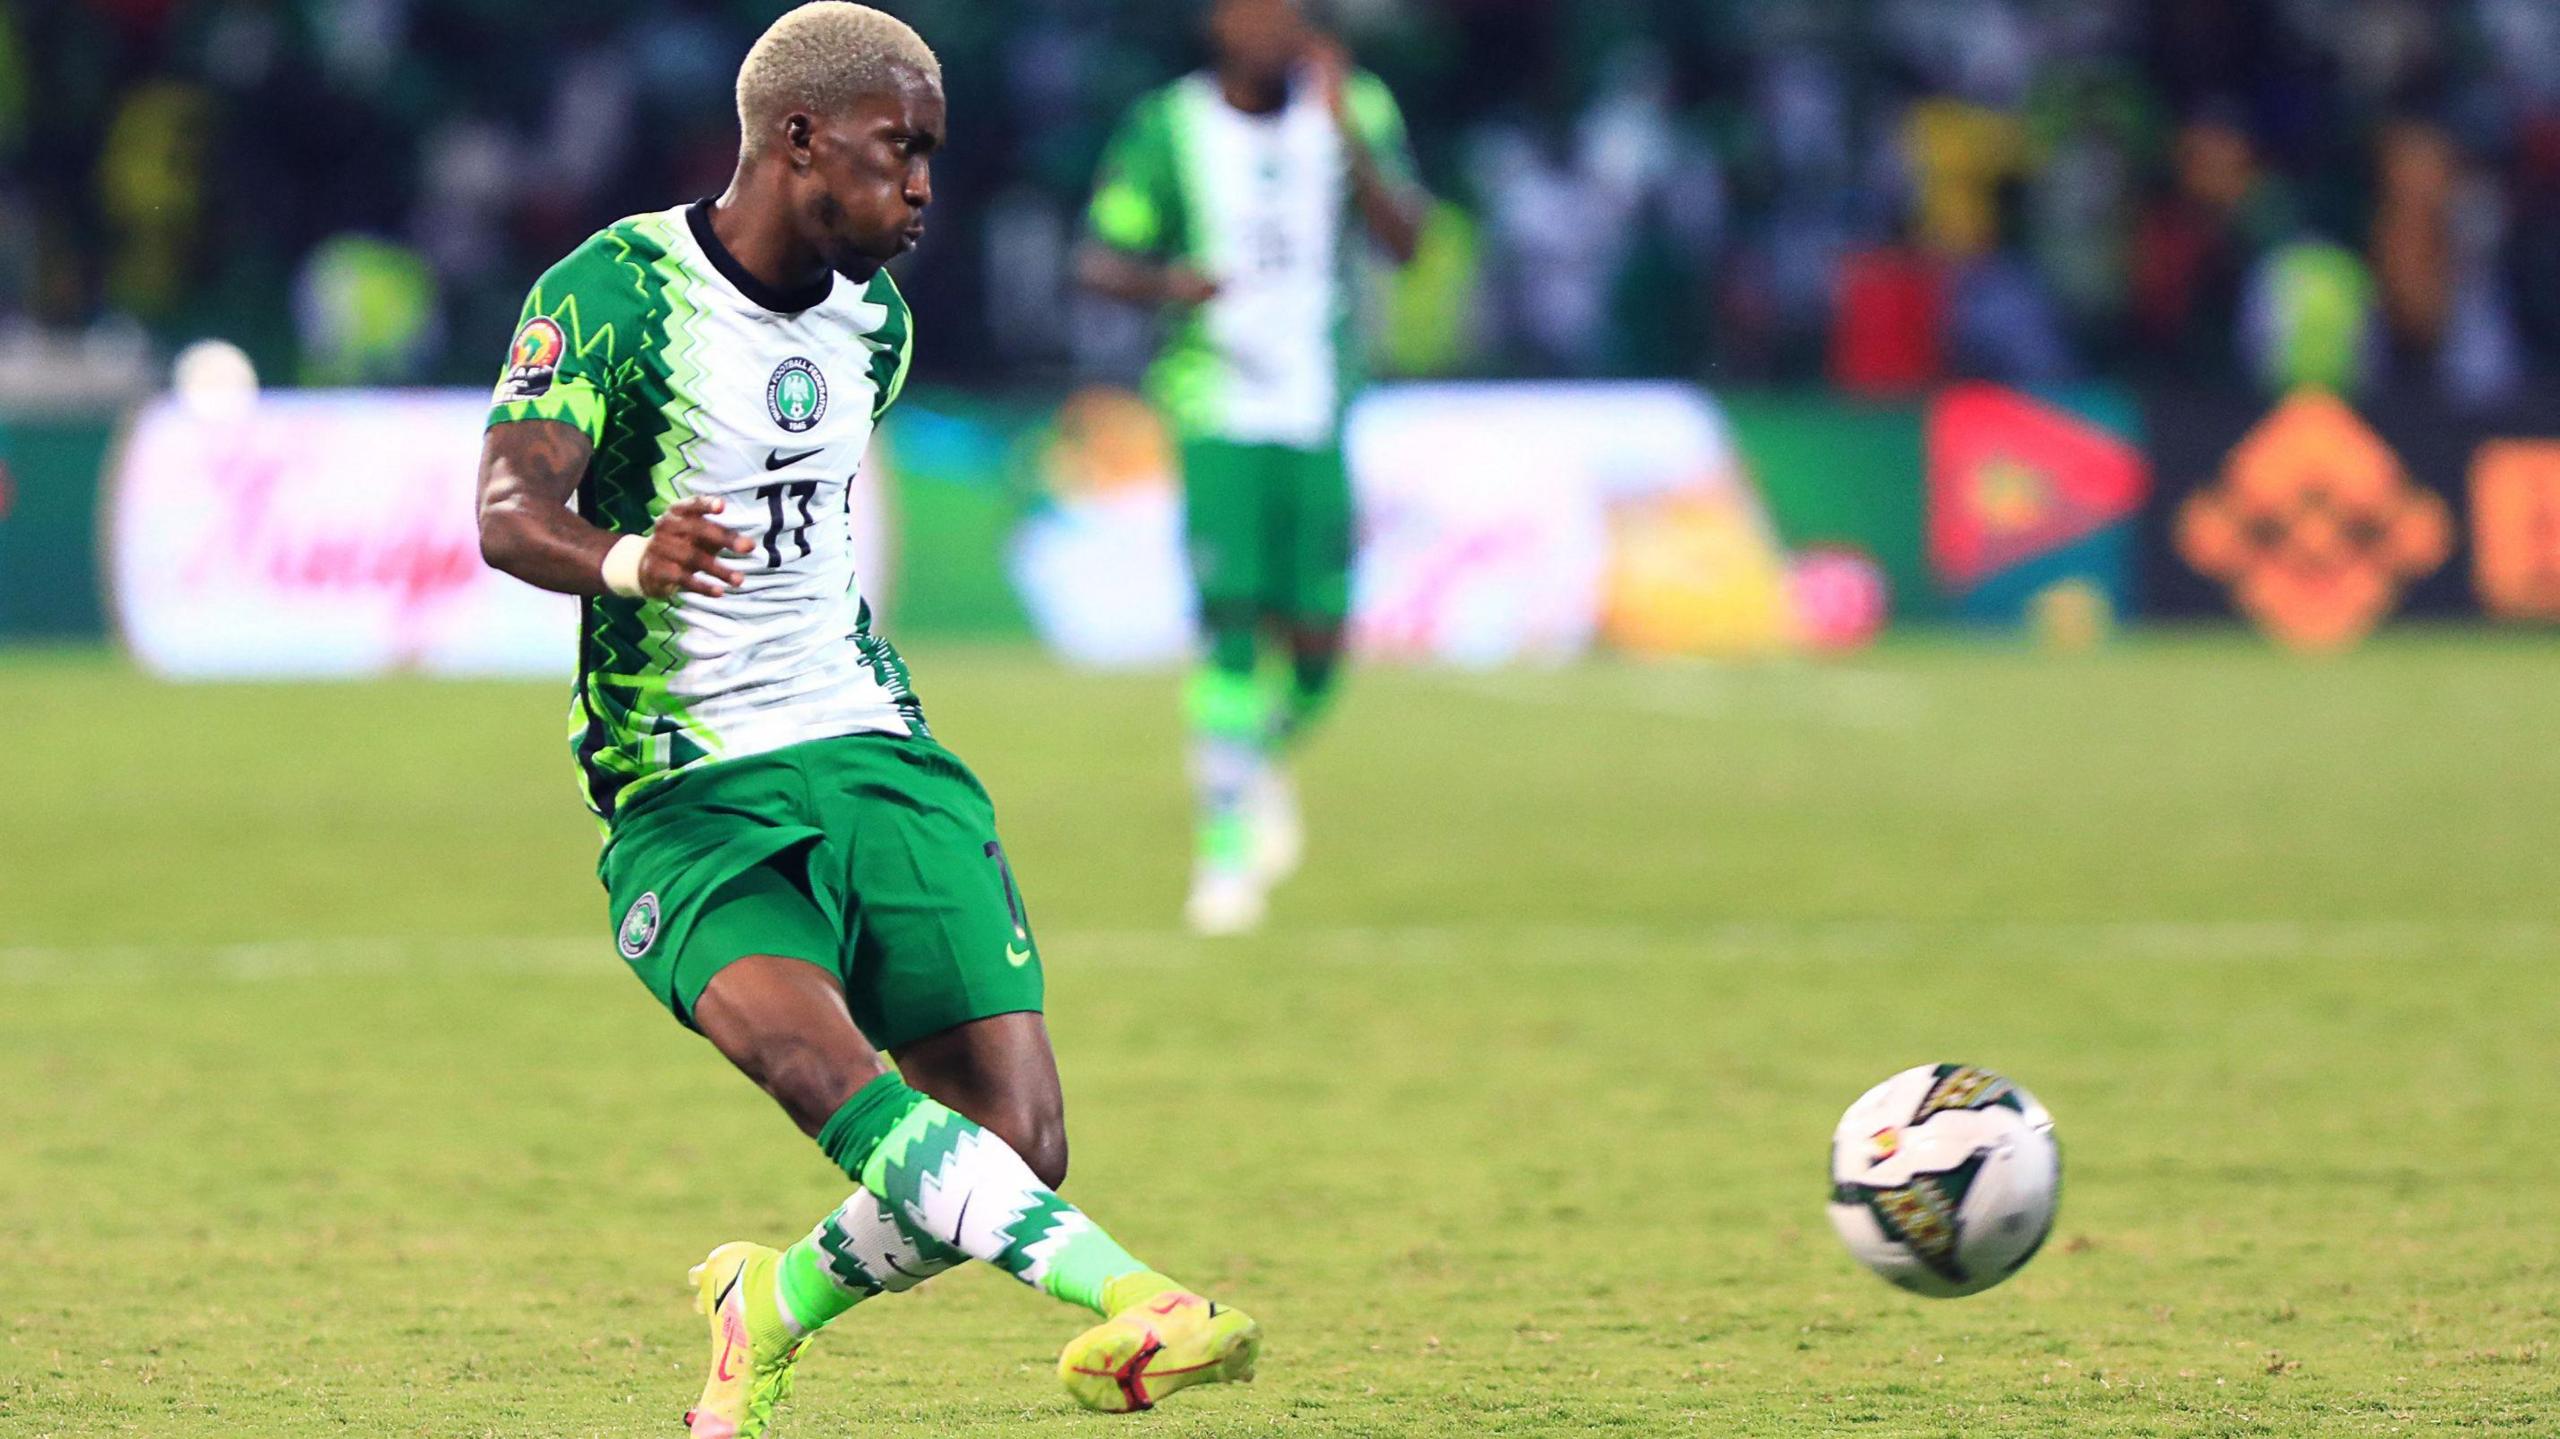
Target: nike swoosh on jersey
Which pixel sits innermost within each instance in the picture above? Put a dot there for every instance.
(1016, 957)
(777, 460)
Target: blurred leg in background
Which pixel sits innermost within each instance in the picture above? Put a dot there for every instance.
(1309, 604)
(1232, 509)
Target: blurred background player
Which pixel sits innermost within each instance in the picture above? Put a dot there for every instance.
(1233, 198)
(799, 870)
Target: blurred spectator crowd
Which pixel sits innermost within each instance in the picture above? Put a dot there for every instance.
(1880, 193)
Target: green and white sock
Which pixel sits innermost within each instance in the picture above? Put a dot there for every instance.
(937, 1190)
(862, 1249)
(1231, 734)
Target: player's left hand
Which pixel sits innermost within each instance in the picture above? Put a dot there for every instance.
(688, 549)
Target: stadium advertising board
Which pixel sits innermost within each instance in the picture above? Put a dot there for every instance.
(48, 524)
(1098, 562)
(1498, 523)
(2318, 519)
(1842, 475)
(318, 533)
(2027, 498)
(2515, 528)
(1506, 522)
(328, 533)
(322, 533)
(2314, 526)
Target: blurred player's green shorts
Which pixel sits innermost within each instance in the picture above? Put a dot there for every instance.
(1269, 529)
(873, 857)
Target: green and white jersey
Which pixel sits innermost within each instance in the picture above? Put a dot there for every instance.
(1261, 204)
(691, 377)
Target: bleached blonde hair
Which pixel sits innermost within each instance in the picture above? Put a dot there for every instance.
(818, 58)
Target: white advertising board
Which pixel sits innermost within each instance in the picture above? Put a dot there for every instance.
(324, 533)
(1484, 508)
(318, 533)
(1489, 519)
(1104, 579)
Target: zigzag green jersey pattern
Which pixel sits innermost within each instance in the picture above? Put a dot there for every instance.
(687, 386)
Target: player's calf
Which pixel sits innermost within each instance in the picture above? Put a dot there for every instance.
(1000, 1072)
(1039, 1138)
(1315, 664)
(784, 1024)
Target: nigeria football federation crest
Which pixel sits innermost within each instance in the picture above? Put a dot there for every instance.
(796, 396)
(639, 927)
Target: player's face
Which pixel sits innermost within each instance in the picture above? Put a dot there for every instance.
(1263, 38)
(870, 177)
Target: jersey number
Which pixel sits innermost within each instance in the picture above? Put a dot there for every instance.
(802, 490)
(1268, 242)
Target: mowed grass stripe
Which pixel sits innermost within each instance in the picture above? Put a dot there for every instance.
(1633, 943)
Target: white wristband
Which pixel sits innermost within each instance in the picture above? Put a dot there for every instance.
(622, 566)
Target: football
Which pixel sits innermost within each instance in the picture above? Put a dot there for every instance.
(1944, 1179)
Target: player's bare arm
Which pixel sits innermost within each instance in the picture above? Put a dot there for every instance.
(529, 471)
(1391, 210)
(1134, 279)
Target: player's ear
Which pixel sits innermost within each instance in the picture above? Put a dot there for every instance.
(798, 132)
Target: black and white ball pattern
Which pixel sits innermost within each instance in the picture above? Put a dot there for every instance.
(1944, 1179)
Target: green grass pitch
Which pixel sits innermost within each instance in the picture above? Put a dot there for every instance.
(331, 1112)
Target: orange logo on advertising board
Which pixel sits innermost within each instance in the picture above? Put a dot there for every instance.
(2315, 528)
(2515, 528)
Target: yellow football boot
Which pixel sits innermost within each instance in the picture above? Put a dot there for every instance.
(1169, 1340)
(752, 1349)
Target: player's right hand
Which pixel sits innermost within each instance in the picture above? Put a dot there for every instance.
(686, 549)
(1186, 286)
(1331, 66)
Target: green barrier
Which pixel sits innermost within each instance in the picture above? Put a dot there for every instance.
(963, 470)
(49, 582)
(1834, 472)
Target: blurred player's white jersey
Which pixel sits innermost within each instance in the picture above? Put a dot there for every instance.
(693, 379)
(1262, 205)
(1268, 201)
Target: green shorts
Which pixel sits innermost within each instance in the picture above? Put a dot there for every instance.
(873, 857)
(1269, 529)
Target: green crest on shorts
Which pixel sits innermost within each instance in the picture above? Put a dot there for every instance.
(639, 927)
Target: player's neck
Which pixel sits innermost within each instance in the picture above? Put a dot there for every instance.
(755, 230)
(1253, 94)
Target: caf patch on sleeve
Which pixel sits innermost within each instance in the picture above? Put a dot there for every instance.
(534, 360)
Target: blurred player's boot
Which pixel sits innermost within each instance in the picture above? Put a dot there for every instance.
(1169, 1340)
(1279, 837)
(752, 1346)
(1227, 898)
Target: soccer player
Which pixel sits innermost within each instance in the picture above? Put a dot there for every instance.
(1232, 197)
(795, 867)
